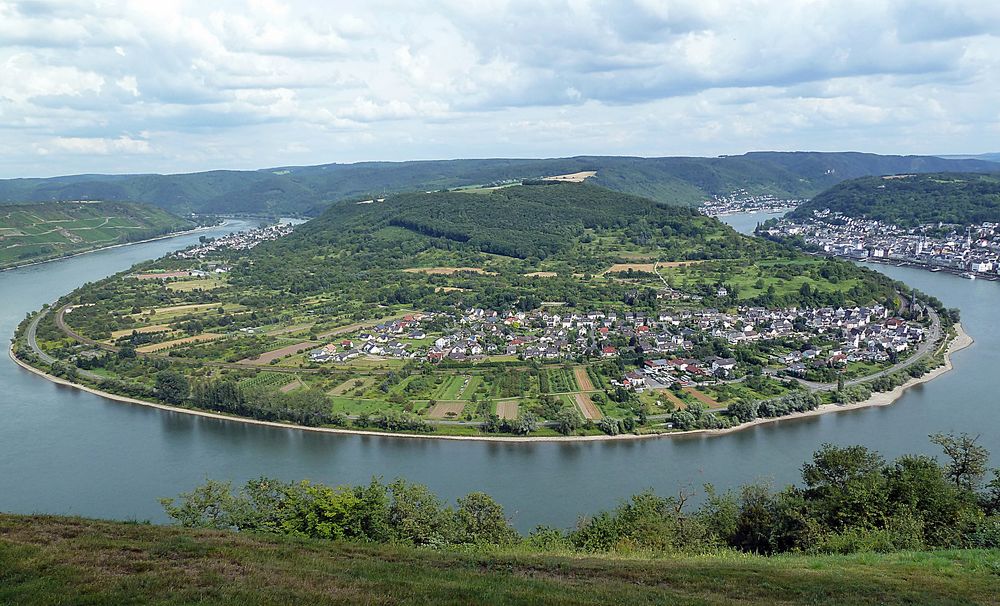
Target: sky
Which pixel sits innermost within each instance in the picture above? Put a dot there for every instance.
(174, 86)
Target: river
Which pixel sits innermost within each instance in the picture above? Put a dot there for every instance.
(64, 451)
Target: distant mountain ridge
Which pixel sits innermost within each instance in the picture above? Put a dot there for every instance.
(306, 189)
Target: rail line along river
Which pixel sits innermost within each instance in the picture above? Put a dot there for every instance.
(70, 452)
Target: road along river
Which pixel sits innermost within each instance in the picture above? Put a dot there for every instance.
(67, 451)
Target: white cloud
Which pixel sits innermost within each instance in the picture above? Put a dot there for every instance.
(386, 80)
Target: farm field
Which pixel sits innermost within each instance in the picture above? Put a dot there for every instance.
(702, 397)
(351, 385)
(507, 409)
(672, 398)
(590, 410)
(202, 338)
(582, 378)
(210, 283)
(141, 330)
(274, 354)
(446, 410)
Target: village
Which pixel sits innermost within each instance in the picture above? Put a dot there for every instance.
(661, 347)
(241, 240)
(742, 201)
(971, 251)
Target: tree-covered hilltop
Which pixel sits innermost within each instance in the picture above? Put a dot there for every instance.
(679, 180)
(36, 232)
(910, 200)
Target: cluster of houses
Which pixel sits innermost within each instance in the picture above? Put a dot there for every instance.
(972, 248)
(742, 201)
(390, 339)
(241, 240)
(856, 334)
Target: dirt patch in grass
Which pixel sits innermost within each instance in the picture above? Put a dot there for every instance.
(446, 271)
(446, 410)
(541, 274)
(587, 407)
(202, 338)
(507, 409)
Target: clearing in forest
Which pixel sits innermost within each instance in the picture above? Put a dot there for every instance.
(579, 177)
(541, 274)
(590, 410)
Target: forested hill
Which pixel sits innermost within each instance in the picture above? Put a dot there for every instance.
(677, 180)
(913, 199)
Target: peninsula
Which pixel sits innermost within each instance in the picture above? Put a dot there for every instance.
(545, 310)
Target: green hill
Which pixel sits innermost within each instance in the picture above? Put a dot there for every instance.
(910, 200)
(54, 560)
(37, 232)
(684, 181)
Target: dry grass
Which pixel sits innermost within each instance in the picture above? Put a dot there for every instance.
(541, 274)
(579, 177)
(446, 410)
(202, 338)
(587, 407)
(507, 409)
(446, 271)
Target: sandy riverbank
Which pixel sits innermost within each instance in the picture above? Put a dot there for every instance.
(961, 341)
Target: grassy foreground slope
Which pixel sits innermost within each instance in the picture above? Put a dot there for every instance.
(305, 189)
(36, 232)
(910, 200)
(56, 560)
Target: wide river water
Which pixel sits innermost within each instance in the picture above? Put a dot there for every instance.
(64, 451)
